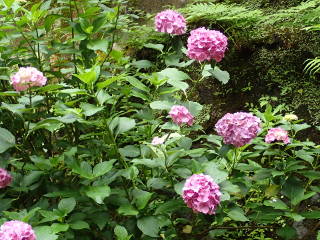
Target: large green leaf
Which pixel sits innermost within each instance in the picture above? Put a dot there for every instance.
(45, 232)
(7, 140)
(102, 45)
(125, 124)
(98, 193)
(150, 226)
(102, 168)
(237, 214)
(141, 198)
(215, 72)
(67, 205)
(90, 109)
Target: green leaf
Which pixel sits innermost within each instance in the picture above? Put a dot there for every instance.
(102, 45)
(296, 217)
(90, 109)
(149, 226)
(7, 140)
(8, 3)
(141, 198)
(175, 78)
(49, 21)
(138, 84)
(121, 232)
(77, 225)
(213, 170)
(293, 189)
(161, 105)
(127, 210)
(51, 125)
(287, 232)
(276, 204)
(125, 124)
(229, 187)
(222, 76)
(89, 76)
(142, 64)
(67, 205)
(169, 207)
(158, 47)
(237, 214)
(45, 232)
(102, 168)
(314, 214)
(98, 193)
(59, 227)
(151, 163)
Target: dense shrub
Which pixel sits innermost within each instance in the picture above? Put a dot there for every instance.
(101, 146)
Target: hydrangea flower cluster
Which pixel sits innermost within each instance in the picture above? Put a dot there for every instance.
(204, 44)
(290, 117)
(27, 77)
(180, 115)
(201, 194)
(238, 128)
(157, 141)
(171, 22)
(16, 230)
(277, 134)
(5, 178)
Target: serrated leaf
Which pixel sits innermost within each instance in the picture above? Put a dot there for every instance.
(7, 140)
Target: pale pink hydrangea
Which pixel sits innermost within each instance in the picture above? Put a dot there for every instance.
(180, 115)
(16, 230)
(157, 140)
(27, 77)
(201, 194)
(238, 128)
(277, 134)
(204, 44)
(5, 178)
(171, 22)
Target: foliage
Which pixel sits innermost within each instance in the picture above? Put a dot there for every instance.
(79, 148)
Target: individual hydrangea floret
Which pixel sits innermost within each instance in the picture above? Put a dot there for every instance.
(201, 194)
(27, 77)
(16, 230)
(204, 44)
(157, 140)
(290, 117)
(238, 128)
(180, 115)
(171, 22)
(5, 178)
(277, 134)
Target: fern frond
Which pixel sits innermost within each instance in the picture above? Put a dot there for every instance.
(313, 66)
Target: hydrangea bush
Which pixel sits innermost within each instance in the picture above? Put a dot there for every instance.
(95, 144)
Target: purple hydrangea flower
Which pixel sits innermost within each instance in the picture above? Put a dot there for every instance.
(171, 22)
(27, 77)
(180, 115)
(16, 230)
(238, 128)
(201, 194)
(204, 44)
(5, 178)
(277, 134)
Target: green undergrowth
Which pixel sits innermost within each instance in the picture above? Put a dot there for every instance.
(268, 47)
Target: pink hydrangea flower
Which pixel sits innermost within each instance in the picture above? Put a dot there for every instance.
(27, 77)
(277, 134)
(204, 44)
(157, 140)
(5, 178)
(171, 22)
(180, 115)
(16, 230)
(201, 194)
(238, 128)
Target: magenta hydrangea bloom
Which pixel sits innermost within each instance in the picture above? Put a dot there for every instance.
(204, 44)
(157, 141)
(180, 115)
(27, 77)
(16, 230)
(171, 22)
(238, 128)
(5, 178)
(277, 134)
(201, 194)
